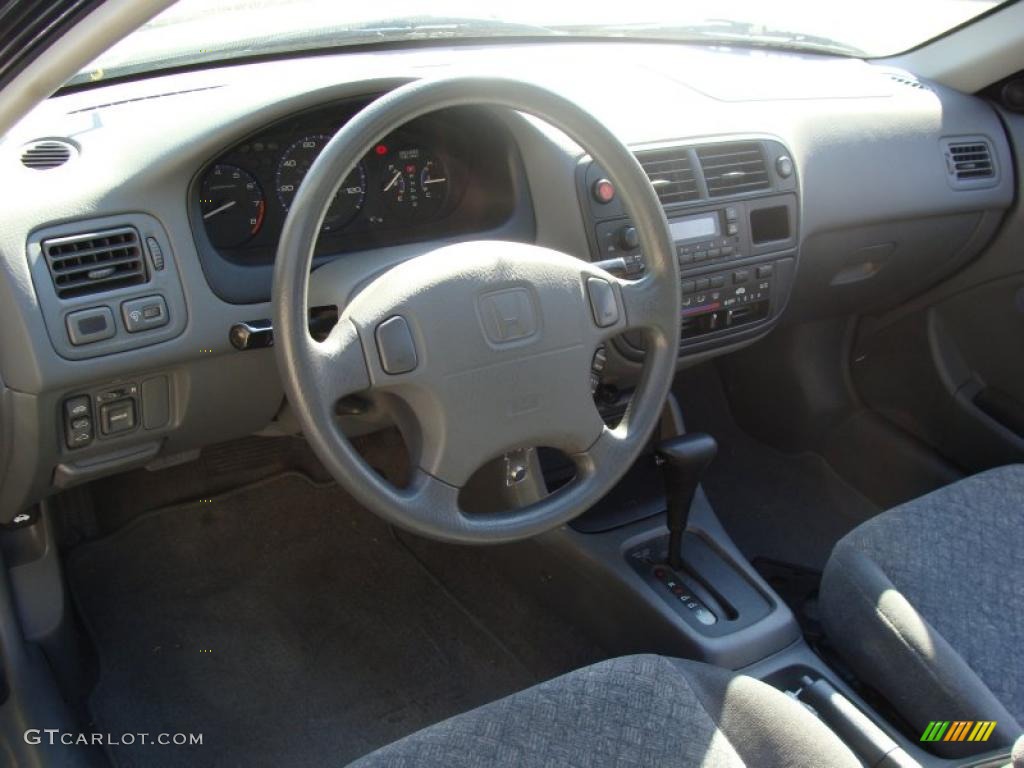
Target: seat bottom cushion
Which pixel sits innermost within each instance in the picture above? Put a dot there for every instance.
(926, 603)
(633, 711)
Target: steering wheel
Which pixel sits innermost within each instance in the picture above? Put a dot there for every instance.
(485, 346)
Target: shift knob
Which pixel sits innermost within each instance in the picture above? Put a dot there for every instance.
(683, 461)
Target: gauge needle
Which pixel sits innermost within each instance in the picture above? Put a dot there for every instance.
(223, 208)
(434, 181)
(394, 180)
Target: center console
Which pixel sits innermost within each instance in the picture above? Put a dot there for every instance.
(733, 212)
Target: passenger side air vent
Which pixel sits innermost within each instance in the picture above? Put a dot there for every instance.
(671, 174)
(42, 155)
(969, 162)
(733, 168)
(96, 262)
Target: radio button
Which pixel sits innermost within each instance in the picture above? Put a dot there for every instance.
(740, 276)
(764, 271)
(728, 250)
(714, 253)
(703, 284)
(718, 281)
(700, 256)
(731, 214)
(688, 286)
(732, 228)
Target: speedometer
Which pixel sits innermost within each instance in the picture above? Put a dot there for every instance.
(292, 169)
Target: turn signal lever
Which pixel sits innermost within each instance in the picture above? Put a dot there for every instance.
(683, 460)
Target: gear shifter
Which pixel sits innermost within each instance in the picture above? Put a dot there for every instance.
(683, 460)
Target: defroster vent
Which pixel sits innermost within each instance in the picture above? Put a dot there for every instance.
(733, 168)
(671, 173)
(95, 262)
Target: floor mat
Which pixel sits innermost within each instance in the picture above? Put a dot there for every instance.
(778, 506)
(284, 623)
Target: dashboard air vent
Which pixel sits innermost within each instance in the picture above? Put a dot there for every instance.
(733, 168)
(908, 80)
(671, 173)
(969, 162)
(96, 262)
(42, 155)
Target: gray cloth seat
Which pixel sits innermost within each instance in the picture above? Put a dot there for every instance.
(633, 711)
(926, 604)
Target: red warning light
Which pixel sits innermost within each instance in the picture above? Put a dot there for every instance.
(381, 149)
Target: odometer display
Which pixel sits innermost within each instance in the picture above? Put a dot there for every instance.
(232, 205)
(292, 169)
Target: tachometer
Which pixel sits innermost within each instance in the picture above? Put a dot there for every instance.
(232, 205)
(292, 169)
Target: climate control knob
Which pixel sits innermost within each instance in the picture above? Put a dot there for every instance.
(628, 238)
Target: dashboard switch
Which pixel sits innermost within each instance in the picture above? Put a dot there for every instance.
(628, 238)
(395, 346)
(603, 191)
(88, 325)
(78, 430)
(117, 417)
(144, 314)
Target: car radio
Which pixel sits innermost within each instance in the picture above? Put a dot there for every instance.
(735, 231)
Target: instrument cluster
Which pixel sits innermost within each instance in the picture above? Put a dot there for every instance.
(409, 187)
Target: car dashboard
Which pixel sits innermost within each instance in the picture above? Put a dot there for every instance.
(795, 186)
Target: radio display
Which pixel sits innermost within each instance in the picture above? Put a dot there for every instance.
(694, 227)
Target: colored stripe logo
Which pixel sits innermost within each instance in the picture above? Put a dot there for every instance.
(958, 730)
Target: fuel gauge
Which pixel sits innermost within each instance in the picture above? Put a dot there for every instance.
(414, 185)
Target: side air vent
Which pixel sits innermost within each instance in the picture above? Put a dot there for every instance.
(42, 155)
(671, 174)
(96, 262)
(733, 168)
(969, 162)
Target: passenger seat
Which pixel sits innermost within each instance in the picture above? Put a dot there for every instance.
(926, 604)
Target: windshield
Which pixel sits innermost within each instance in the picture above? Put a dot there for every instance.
(200, 31)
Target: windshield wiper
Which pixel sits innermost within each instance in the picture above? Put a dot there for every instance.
(724, 31)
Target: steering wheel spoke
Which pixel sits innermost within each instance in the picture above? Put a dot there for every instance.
(338, 363)
(643, 302)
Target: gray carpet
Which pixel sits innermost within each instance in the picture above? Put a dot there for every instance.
(284, 623)
(791, 508)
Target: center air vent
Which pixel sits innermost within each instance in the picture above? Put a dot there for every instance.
(733, 168)
(671, 173)
(969, 162)
(94, 263)
(42, 155)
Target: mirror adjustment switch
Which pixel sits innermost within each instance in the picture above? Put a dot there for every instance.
(117, 417)
(395, 346)
(144, 314)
